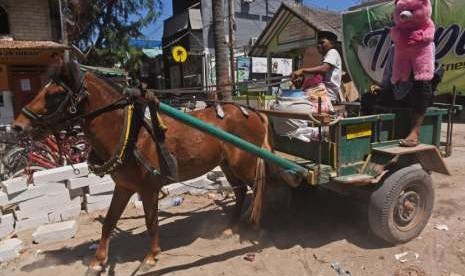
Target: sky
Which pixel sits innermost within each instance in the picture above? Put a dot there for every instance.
(155, 31)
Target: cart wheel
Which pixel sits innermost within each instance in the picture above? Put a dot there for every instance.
(401, 207)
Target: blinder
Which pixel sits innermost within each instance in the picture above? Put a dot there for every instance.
(67, 107)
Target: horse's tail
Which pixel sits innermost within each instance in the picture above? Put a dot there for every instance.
(260, 176)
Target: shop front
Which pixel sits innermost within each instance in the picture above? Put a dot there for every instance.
(23, 71)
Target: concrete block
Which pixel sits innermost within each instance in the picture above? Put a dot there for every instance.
(188, 186)
(45, 204)
(31, 222)
(101, 188)
(14, 185)
(54, 217)
(6, 225)
(3, 198)
(55, 232)
(71, 213)
(85, 181)
(92, 207)
(30, 193)
(175, 189)
(71, 210)
(99, 197)
(60, 174)
(9, 249)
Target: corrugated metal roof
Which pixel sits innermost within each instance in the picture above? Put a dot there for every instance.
(320, 20)
(22, 44)
(104, 70)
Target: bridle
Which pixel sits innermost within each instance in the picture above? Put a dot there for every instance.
(66, 110)
(70, 110)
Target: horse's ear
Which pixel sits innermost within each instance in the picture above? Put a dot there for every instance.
(55, 65)
(78, 54)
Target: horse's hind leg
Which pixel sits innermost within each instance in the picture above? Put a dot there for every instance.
(150, 203)
(240, 191)
(119, 201)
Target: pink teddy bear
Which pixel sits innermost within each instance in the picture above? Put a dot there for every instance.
(413, 36)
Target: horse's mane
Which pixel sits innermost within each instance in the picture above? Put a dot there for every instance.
(72, 74)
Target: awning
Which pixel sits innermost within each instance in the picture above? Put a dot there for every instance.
(22, 44)
(295, 26)
(17, 52)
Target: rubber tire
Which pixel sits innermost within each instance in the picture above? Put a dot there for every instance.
(383, 201)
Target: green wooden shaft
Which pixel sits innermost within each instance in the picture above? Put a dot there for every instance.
(236, 141)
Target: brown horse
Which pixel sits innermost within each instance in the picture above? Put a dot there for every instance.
(196, 152)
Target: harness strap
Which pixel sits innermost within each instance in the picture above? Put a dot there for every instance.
(30, 114)
(168, 162)
(101, 168)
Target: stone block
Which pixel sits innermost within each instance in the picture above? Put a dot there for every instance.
(45, 204)
(54, 217)
(71, 210)
(99, 197)
(14, 185)
(31, 222)
(60, 174)
(101, 188)
(6, 225)
(55, 232)
(92, 207)
(71, 213)
(9, 249)
(30, 193)
(3, 198)
(175, 189)
(85, 181)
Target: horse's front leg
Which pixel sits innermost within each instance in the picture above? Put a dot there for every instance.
(119, 201)
(150, 203)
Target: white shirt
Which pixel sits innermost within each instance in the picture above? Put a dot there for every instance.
(333, 77)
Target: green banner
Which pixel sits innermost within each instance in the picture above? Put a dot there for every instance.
(367, 41)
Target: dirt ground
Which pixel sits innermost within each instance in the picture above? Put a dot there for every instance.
(325, 229)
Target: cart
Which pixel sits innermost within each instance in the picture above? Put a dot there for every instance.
(360, 155)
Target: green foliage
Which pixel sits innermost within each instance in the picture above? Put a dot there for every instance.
(104, 28)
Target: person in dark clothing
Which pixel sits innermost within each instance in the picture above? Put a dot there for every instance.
(417, 95)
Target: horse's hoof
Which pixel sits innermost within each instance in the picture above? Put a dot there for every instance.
(94, 271)
(146, 266)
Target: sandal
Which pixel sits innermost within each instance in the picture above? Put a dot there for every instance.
(408, 143)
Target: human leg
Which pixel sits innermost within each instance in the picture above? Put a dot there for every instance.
(420, 99)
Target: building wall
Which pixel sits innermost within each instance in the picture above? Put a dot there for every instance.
(29, 19)
(251, 18)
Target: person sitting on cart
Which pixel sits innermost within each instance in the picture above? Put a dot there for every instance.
(330, 67)
(416, 95)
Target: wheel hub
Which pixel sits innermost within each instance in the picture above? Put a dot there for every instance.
(407, 206)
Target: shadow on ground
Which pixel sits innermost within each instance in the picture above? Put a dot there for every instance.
(315, 218)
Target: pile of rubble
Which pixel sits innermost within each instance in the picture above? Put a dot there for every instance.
(58, 196)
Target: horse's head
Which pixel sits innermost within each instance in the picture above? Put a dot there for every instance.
(55, 103)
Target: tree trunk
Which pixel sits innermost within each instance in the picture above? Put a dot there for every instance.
(223, 83)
